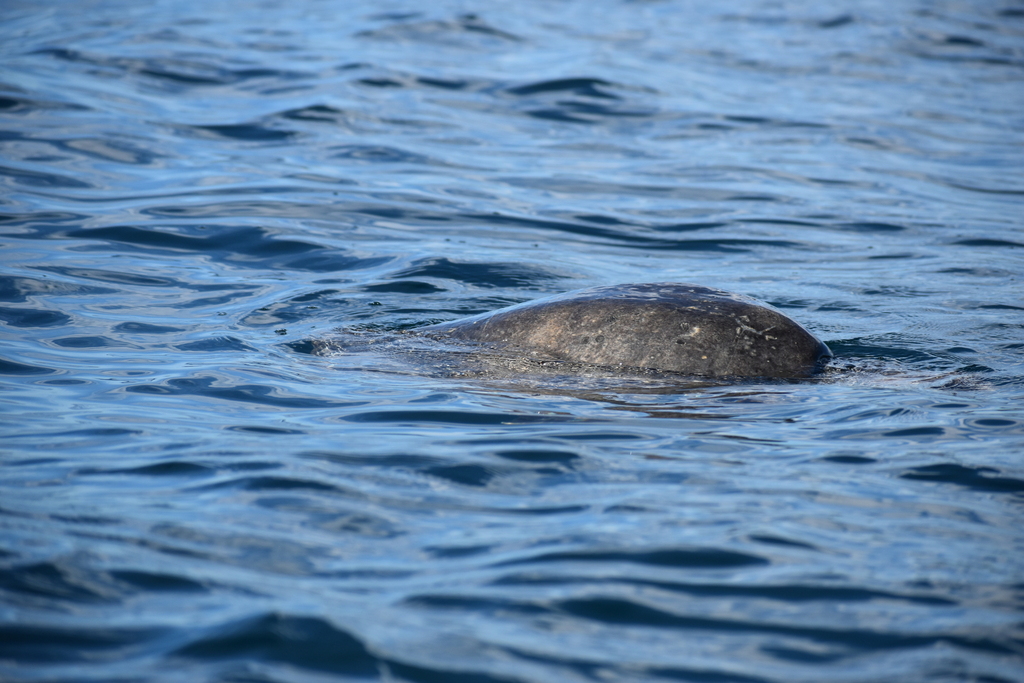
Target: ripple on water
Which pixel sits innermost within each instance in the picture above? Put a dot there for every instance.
(225, 460)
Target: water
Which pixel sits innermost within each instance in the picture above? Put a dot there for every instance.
(194, 195)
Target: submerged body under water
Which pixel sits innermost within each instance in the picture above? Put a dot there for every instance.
(204, 479)
(676, 332)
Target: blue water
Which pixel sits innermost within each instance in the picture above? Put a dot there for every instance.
(195, 195)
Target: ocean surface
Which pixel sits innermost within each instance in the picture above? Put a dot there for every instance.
(198, 484)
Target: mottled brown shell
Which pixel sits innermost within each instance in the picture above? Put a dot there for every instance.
(674, 327)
